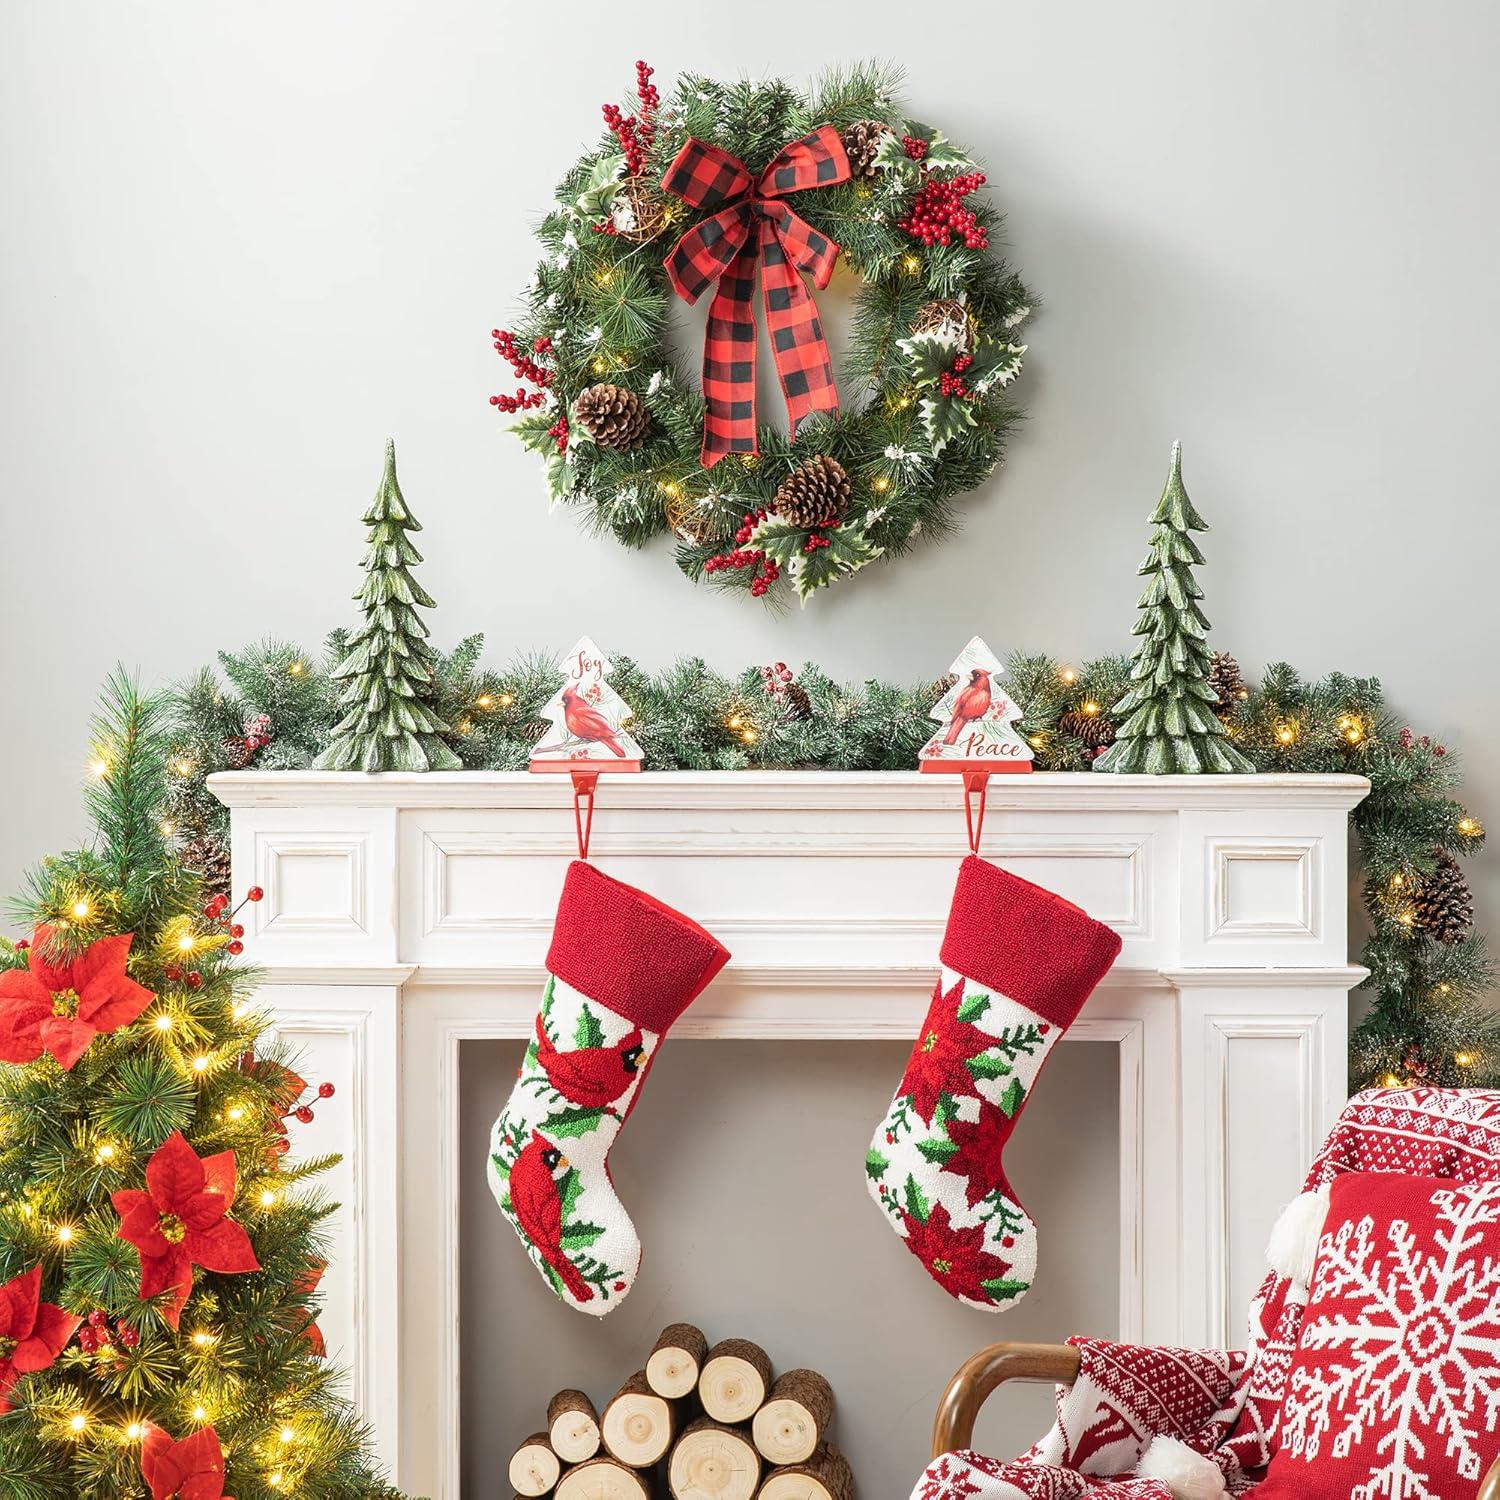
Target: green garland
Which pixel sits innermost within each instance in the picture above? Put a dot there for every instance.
(909, 437)
(1427, 1020)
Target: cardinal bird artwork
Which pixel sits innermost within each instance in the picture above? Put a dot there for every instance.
(587, 718)
(536, 1202)
(973, 703)
(979, 722)
(593, 1077)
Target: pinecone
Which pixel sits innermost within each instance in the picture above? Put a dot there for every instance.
(238, 753)
(946, 316)
(815, 493)
(638, 211)
(861, 141)
(1443, 905)
(1225, 683)
(798, 704)
(943, 685)
(209, 858)
(613, 416)
(1096, 731)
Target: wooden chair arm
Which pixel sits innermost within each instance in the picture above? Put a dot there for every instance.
(1489, 1488)
(979, 1375)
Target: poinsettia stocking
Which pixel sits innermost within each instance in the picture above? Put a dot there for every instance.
(621, 969)
(1018, 963)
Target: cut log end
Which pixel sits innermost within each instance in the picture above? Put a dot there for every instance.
(712, 1462)
(676, 1360)
(534, 1467)
(573, 1426)
(825, 1476)
(735, 1381)
(637, 1423)
(602, 1479)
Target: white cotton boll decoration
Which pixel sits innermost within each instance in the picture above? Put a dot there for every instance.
(1187, 1474)
(1293, 1245)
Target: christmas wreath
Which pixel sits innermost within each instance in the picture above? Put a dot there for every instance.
(696, 195)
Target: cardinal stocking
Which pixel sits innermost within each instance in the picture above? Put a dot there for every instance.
(621, 969)
(1018, 963)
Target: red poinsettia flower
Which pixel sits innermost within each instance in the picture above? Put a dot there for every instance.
(190, 1470)
(181, 1220)
(955, 1258)
(980, 1159)
(307, 1284)
(32, 1332)
(939, 1062)
(61, 1007)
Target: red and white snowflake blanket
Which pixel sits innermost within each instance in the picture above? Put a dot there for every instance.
(1225, 1407)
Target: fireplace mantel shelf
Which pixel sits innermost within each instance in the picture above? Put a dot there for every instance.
(405, 915)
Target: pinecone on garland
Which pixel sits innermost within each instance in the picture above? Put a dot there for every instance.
(943, 685)
(1225, 682)
(209, 858)
(1443, 905)
(238, 753)
(1096, 731)
(861, 141)
(815, 493)
(613, 416)
(946, 316)
(798, 704)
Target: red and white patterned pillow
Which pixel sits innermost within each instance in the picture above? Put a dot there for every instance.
(1394, 1391)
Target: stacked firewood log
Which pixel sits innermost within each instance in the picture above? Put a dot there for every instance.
(699, 1422)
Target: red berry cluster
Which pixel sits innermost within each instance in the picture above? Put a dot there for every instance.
(96, 1333)
(526, 368)
(815, 541)
(951, 383)
(258, 734)
(217, 911)
(1408, 739)
(914, 146)
(634, 132)
(558, 432)
(303, 1114)
(767, 572)
(775, 680)
(937, 213)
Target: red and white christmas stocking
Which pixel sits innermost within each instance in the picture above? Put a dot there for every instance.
(622, 967)
(1018, 963)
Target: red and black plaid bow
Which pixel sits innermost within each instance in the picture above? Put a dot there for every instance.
(754, 224)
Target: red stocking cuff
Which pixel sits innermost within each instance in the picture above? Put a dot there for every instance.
(1027, 943)
(625, 949)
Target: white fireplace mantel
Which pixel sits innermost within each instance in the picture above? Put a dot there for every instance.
(404, 915)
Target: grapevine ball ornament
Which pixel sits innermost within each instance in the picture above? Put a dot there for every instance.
(698, 195)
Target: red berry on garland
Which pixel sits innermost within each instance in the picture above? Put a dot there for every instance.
(283, 1146)
(325, 1091)
(173, 973)
(236, 930)
(22, 944)
(304, 1114)
(914, 146)
(127, 1336)
(98, 1318)
(235, 947)
(194, 979)
(254, 893)
(88, 1340)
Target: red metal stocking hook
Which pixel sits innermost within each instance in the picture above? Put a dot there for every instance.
(976, 785)
(584, 785)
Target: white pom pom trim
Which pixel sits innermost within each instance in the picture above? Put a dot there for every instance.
(1293, 1245)
(1187, 1474)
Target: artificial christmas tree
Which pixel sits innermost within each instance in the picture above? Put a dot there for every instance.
(1166, 722)
(387, 676)
(157, 1252)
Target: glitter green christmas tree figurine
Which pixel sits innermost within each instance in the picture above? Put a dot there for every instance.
(1166, 719)
(387, 675)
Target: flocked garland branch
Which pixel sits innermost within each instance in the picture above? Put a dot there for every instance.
(1428, 972)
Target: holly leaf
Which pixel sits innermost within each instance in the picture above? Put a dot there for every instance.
(1002, 1289)
(937, 1152)
(946, 418)
(567, 1192)
(588, 1032)
(561, 476)
(1013, 1098)
(944, 1110)
(598, 191)
(916, 1204)
(988, 1065)
(890, 156)
(779, 540)
(875, 1165)
(995, 366)
(849, 549)
(971, 1007)
(528, 1063)
(573, 1122)
(930, 355)
(580, 1236)
(943, 154)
